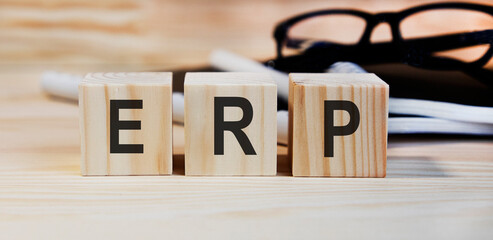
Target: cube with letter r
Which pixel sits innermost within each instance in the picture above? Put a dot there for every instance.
(230, 124)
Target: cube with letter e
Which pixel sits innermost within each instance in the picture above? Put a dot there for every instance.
(338, 124)
(230, 124)
(126, 123)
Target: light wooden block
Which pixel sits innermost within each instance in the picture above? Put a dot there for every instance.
(102, 93)
(202, 90)
(360, 154)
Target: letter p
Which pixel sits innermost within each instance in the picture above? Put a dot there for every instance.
(330, 130)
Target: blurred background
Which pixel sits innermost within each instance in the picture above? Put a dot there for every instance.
(165, 34)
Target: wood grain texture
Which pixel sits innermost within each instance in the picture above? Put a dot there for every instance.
(165, 33)
(437, 187)
(200, 90)
(361, 154)
(95, 93)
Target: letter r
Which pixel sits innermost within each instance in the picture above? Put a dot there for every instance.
(235, 127)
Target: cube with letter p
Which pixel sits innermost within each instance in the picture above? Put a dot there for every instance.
(338, 124)
(230, 124)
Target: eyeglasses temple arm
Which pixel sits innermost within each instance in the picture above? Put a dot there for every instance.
(452, 41)
(430, 44)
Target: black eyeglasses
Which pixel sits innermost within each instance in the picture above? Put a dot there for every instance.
(421, 52)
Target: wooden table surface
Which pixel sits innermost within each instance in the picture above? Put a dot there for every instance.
(437, 187)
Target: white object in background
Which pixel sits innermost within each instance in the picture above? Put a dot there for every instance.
(345, 67)
(407, 125)
(61, 84)
(282, 127)
(443, 110)
(230, 62)
(178, 107)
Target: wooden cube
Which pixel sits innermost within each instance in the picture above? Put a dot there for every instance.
(230, 124)
(126, 123)
(338, 124)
